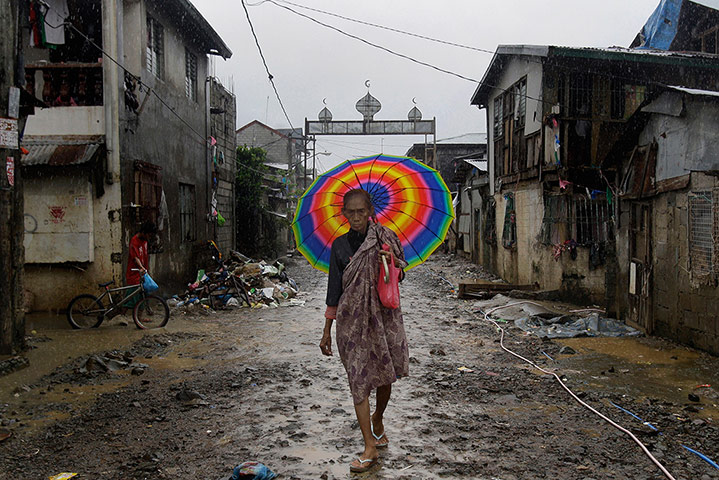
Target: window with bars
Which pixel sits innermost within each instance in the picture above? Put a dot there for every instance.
(190, 75)
(498, 118)
(509, 119)
(155, 61)
(702, 233)
(188, 229)
(577, 217)
(580, 95)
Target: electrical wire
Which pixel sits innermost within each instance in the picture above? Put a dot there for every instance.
(579, 400)
(375, 45)
(136, 78)
(267, 69)
(396, 30)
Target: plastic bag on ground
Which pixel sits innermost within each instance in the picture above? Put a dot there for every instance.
(252, 471)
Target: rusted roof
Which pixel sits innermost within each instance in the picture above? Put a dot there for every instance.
(60, 150)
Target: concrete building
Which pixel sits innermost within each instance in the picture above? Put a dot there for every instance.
(583, 201)
(118, 145)
(667, 246)
(469, 145)
(285, 160)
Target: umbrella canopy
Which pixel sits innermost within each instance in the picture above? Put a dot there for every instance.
(409, 197)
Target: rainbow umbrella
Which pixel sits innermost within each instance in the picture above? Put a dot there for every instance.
(409, 197)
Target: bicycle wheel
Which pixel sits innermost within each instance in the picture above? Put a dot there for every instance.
(151, 312)
(85, 311)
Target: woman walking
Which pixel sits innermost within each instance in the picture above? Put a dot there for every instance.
(370, 338)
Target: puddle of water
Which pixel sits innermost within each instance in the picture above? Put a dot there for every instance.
(628, 366)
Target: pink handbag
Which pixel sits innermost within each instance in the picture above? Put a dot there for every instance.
(388, 281)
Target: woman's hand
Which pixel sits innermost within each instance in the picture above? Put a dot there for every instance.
(388, 255)
(326, 343)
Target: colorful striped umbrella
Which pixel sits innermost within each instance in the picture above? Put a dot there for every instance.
(409, 197)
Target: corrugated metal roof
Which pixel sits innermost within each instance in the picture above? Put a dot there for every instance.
(467, 138)
(478, 164)
(60, 151)
(694, 91)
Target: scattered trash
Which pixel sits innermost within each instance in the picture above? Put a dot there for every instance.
(567, 350)
(5, 434)
(236, 282)
(547, 355)
(252, 471)
(568, 326)
(62, 476)
(465, 369)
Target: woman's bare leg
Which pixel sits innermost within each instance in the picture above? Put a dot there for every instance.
(363, 418)
(383, 394)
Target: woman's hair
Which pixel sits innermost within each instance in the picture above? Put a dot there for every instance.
(148, 228)
(357, 192)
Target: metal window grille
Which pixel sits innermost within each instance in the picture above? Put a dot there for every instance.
(190, 75)
(585, 220)
(520, 91)
(498, 117)
(509, 231)
(702, 226)
(187, 212)
(490, 223)
(555, 221)
(591, 220)
(155, 48)
(580, 95)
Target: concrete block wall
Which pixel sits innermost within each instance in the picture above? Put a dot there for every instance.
(533, 261)
(686, 309)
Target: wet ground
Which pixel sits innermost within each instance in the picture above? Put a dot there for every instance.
(211, 391)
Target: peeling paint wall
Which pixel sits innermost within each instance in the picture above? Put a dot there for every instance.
(173, 141)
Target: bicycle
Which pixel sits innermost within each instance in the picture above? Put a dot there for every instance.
(87, 311)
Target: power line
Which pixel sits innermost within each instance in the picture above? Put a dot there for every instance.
(134, 77)
(264, 62)
(396, 30)
(401, 55)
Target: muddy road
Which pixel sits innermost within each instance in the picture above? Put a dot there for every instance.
(211, 391)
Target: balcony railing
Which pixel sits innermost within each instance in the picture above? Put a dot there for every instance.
(65, 84)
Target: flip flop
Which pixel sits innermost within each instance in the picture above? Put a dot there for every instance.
(379, 437)
(370, 462)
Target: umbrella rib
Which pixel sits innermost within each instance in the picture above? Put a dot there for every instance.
(374, 185)
(396, 210)
(318, 227)
(443, 212)
(409, 242)
(410, 175)
(390, 168)
(307, 214)
(325, 247)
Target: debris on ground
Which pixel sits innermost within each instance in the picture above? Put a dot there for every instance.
(252, 471)
(237, 282)
(569, 326)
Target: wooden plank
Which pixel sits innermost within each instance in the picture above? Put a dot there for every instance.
(473, 286)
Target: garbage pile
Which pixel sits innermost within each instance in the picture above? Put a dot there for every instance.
(238, 282)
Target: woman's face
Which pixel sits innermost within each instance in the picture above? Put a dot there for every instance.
(357, 214)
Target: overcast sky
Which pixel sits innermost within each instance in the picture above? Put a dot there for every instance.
(310, 62)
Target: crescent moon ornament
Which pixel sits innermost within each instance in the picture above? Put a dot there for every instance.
(414, 100)
(324, 100)
(366, 83)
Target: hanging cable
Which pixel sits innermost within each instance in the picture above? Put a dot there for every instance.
(579, 400)
(396, 30)
(385, 49)
(267, 69)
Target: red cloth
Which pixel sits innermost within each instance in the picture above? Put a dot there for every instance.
(331, 312)
(138, 249)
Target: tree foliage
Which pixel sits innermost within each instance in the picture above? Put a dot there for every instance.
(257, 228)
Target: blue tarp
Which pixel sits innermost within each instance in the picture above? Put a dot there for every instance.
(661, 28)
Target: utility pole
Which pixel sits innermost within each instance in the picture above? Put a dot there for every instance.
(12, 254)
